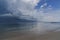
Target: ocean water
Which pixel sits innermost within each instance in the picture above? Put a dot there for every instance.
(12, 23)
(31, 26)
(9, 23)
(11, 27)
(16, 27)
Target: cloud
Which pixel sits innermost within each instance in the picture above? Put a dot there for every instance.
(27, 8)
(32, 2)
(6, 15)
(44, 5)
(51, 16)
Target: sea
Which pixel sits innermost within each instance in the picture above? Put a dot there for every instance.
(12, 26)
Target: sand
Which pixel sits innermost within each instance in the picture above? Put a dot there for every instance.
(30, 36)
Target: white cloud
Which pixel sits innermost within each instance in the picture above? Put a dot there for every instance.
(26, 7)
(44, 5)
(32, 2)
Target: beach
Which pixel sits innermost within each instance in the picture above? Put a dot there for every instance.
(31, 36)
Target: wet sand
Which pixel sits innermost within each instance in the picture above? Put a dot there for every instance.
(30, 36)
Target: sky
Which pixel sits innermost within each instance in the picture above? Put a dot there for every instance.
(42, 10)
(54, 3)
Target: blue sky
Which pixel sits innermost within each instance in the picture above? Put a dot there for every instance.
(54, 3)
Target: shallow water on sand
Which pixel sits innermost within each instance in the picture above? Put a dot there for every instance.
(27, 30)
